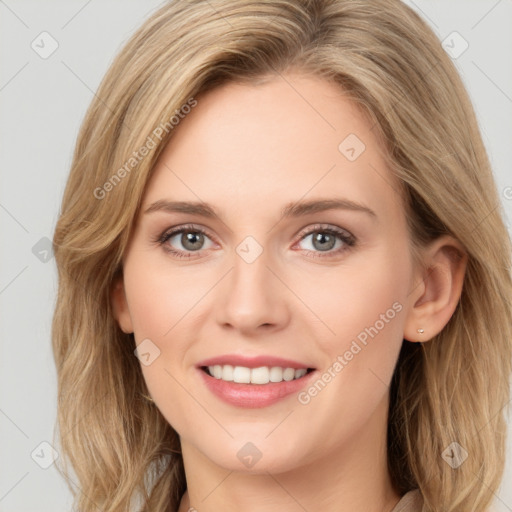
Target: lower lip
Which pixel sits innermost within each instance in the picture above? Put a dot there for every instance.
(254, 395)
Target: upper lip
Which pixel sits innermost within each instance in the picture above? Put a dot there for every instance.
(253, 362)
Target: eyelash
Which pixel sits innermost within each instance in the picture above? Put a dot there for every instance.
(348, 239)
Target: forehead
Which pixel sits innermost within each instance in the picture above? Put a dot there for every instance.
(256, 147)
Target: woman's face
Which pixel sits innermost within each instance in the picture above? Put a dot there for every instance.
(239, 284)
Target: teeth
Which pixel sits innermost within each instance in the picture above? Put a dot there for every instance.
(300, 373)
(217, 371)
(276, 374)
(289, 374)
(241, 374)
(261, 375)
(226, 372)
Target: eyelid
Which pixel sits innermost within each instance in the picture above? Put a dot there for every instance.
(305, 231)
(186, 226)
(348, 239)
(324, 227)
(169, 232)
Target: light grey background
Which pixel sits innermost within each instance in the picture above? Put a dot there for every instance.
(43, 101)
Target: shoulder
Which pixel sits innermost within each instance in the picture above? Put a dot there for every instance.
(413, 502)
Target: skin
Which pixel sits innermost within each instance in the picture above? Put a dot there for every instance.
(248, 150)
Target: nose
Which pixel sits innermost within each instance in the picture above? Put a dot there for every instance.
(254, 297)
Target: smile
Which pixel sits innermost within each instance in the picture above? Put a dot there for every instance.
(260, 375)
(254, 382)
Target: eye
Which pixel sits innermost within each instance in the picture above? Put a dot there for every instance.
(324, 238)
(190, 238)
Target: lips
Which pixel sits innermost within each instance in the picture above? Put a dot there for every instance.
(254, 381)
(253, 362)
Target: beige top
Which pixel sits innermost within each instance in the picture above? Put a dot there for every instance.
(410, 502)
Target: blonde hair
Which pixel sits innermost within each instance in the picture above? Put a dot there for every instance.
(391, 64)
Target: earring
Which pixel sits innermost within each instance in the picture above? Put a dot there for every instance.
(421, 331)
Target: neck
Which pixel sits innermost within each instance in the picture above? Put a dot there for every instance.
(354, 477)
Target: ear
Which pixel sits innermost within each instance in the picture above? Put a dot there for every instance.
(436, 289)
(120, 305)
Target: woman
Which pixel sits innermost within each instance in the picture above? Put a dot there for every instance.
(281, 265)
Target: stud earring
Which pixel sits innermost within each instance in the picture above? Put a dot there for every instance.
(421, 331)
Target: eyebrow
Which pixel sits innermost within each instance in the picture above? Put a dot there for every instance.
(293, 209)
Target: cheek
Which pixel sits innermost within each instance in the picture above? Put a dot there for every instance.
(369, 291)
(364, 310)
(164, 304)
(362, 315)
(161, 304)
(160, 297)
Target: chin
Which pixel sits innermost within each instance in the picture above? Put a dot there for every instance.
(255, 457)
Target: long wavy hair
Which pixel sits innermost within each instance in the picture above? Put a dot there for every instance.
(453, 388)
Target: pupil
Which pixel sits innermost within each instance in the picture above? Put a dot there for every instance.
(189, 240)
(322, 237)
(325, 241)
